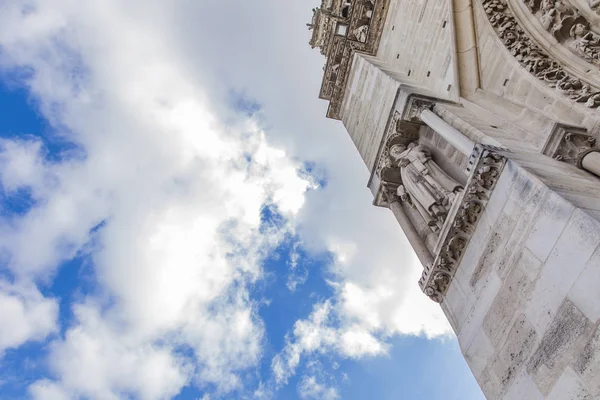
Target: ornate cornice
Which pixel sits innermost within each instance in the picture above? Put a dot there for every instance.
(364, 27)
(534, 59)
(461, 223)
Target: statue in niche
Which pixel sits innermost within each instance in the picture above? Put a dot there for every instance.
(424, 184)
(361, 33)
(585, 43)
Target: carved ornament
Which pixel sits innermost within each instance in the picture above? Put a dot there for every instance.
(396, 134)
(568, 27)
(415, 106)
(461, 223)
(535, 60)
(569, 144)
(364, 20)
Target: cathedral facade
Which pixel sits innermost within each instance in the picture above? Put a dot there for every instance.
(479, 120)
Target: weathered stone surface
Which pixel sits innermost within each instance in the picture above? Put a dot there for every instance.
(481, 304)
(523, 388)
(587, 365)
(584, 292)
(573, 249)
(511, 357)
(569, 386)
(367, 107)
(556, 348)
(551, 219)
(495, 241)
(511, 297)
(479, 353)
(457, 304)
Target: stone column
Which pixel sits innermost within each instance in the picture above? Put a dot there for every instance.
(415, 240)
(445, 130)
(591, 162)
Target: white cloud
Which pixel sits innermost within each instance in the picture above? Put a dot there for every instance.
(140, 88)
(323, 332)
(25, 314)
(101, 361)
(298, 274)
(48, 390)
(310, 388)
(20, 164)
(179, 192)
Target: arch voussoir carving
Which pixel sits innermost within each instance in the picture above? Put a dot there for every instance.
(534, 59)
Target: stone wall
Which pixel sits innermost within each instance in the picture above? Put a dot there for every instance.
(524, 302)
(519, 129)
(367, 105)
(417, 45)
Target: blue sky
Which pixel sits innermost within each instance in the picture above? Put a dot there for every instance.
(178, 227)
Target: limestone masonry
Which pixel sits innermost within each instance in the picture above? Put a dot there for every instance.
(479, 120)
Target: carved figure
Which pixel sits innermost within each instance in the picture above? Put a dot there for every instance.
(361, 33)
(428, 188)
(436, 278)
(594, 5)
(548, 13)
(534, 59)
(585, 43)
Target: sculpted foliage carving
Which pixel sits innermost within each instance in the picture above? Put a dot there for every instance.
(394, 135)
(436, 278)
(569, 144)
(534, 59)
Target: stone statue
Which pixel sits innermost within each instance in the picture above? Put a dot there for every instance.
(585, 43)
(548, 14)
(594, 5)
(361, 33)
(424, 184)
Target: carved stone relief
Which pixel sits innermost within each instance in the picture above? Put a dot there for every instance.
(359, 26)
(471, 203)
(394, 135)
(569, 144)
(534, 59)
(365, 20)
(414, 108)
(332, 68)
(568, 27)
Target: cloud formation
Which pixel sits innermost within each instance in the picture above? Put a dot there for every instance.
(165, 190)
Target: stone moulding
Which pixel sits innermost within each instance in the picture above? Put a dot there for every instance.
(535, 60)
(461, 222)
